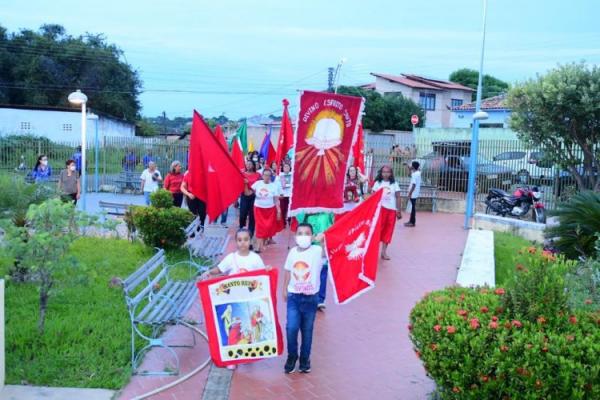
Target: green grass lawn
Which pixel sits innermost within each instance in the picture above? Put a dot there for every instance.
(87, 342)
(506, 252)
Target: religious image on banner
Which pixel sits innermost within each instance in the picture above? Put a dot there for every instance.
(241, 317)
(326, 131)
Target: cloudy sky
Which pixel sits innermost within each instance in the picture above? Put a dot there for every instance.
(242, 57)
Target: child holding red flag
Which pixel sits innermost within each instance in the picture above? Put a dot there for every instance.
(391, 205)
(267, 212)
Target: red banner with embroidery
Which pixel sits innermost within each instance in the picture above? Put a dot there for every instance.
(352, 247)
(240, 312)
(326, 130)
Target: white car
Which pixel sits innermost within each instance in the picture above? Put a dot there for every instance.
(526, 165)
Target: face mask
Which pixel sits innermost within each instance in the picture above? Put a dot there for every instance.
(44, 162)
(72, 168)
(303, 242)
(255, 159)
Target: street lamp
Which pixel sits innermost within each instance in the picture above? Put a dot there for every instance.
(336, 78)
(79, 99)
(94, 117)
(479, 115)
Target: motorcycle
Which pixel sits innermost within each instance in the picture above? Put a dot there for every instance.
(518, 204)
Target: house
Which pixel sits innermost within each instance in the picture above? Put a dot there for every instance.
(59, 124)
(498, 113)
(435, 96)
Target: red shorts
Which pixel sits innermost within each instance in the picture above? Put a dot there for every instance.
(267, 224)
(388, 222)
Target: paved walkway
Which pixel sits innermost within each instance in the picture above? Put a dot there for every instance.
(360, 350)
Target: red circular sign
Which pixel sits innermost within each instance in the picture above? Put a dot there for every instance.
(414, 119)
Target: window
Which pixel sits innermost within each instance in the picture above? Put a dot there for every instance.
(67, 127)
(427, 101)
(25, 126)
(456, 102)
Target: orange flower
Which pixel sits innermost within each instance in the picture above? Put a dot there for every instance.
(433, 346)
(573, 319)
(504, 348)
(451, 329)
(456, 389)
(499, 291)
(484, 309)
(548, 255)
(532, 250)
(541, 320)
(437, 328)
(538, 383)
(485, 378)
(520, 267)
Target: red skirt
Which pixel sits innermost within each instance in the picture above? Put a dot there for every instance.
(267, 224)
(388, 222)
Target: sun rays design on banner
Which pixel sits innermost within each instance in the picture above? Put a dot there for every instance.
(323, 157)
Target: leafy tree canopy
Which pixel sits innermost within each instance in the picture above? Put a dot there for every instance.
(491, 86)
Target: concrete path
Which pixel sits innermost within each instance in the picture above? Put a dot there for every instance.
(16, 392)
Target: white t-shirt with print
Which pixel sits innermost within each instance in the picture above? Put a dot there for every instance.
(234, 263)
(305, 270)
(150, 185)
(285, 182)
(415, 178)
(389, 193)
(265, 193)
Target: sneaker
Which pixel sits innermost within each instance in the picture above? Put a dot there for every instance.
(409, 225)
(321, 307)
(305, 365)
(290, 364)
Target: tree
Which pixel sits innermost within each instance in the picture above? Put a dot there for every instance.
(145, 127)
(491, 86)
(392, 111)
(560, 112)
(43, 67)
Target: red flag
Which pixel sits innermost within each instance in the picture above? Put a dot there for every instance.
(272, 155)
(237, 154)
(214, 176)
(358, 151)
(352, 246)
(286, 135)
(220, 136)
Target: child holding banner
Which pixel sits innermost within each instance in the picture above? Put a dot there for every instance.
(391, 205)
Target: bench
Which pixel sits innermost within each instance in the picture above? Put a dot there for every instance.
(155, 300)
(208, 243)
(128, 180)
(118, 209)
(427, 192)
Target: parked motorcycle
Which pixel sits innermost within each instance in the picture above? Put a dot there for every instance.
(518, 204)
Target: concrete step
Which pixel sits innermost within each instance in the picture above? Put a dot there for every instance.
(18, 392)
(478, 267)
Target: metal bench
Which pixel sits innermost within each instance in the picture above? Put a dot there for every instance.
(427, 192)
(128, 180)
(207, 243)
(118, 209)
(155, 300)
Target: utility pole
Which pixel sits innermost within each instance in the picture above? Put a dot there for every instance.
(164, 123)
(330, 79)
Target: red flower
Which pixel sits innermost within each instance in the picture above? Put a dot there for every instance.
(433, 346)
(485, 378)
(484, 309)
(499, 291)
(570, 338)
(573, 319)
(474, 323)
(504, 348)
(451, 329)
(493, 325)
(517, 324)
(588, 301)
(437, 328)
(456, 389)
(541, 320)
(410, 327)
(462, 313)
(494, 318)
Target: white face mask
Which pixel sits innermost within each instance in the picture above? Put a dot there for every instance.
(44, 162)
(303, 241)
(71, 167)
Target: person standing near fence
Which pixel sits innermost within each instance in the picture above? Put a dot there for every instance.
(391, 206)
(173, 182)
(68, 182)
(150, 179)
(195, 205)
(285, 182)
(42, 171)
(77, 158)
(129, 161)
(413, 192)
(248, 196)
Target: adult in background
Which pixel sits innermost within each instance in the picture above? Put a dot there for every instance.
(173, 182)
(195, 205)
(129, 161)
(391, 205)
(41, 171)
(77, 158)
(285, 182)
(413, 192)
(150, 179)
(148, 158)
(248, 196)
(267, 211)
(68, 182)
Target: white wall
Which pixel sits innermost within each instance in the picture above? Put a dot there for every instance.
(463, 119)
(58, 126)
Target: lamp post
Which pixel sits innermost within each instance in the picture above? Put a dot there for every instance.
(94, 117)
(475, 133)
(337, 73)
(79, 99)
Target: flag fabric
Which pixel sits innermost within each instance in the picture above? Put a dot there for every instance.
(242, 134)
(271, 157)
(220, 136)
(240, 314)
(352, 248)
(237, 153)
(326, 131)
(266, 145)
(358, 150)
(286, 135)
(213, 175)
(250, 146)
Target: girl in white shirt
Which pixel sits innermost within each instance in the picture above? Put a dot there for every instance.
(391, 205)
(267, 212)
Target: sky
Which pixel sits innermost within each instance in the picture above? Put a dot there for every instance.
(241, 58)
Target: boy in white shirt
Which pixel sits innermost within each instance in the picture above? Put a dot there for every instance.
(301, 292)
(413, 192)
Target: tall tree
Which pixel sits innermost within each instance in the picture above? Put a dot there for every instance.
(560, 112)
(43, 67)
(491, 86)
(391, 111)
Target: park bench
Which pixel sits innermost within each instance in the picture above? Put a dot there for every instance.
(128, 180)
(206, 243)
(117, 209)
(427, 192)
(155, 300)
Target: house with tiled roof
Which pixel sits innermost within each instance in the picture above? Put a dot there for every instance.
(496, 108)
(436, 96)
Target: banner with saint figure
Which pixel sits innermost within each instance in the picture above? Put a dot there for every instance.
(326, 130)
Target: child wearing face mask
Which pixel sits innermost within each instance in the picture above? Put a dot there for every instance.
(301, 292)
(42, 171)
(68, 182)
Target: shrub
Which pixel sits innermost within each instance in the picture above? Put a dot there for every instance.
(583, 286)
(161, 199)
(162, 227)
(475, 349)
(16, 196)
(579, 223)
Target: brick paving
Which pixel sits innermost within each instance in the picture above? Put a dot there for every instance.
(360, 350)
